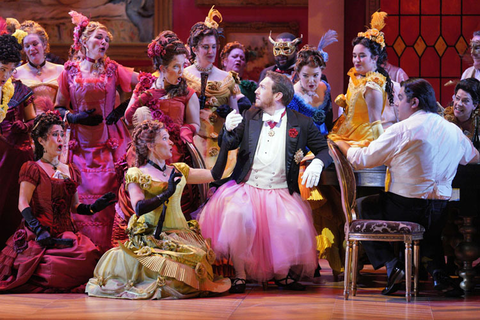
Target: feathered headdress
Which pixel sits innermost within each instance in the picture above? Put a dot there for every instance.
(377, 24)
(328, 38)
(209, 21)
(81, 22)
(3, 26)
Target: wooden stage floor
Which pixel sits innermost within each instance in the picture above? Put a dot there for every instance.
(319, 301)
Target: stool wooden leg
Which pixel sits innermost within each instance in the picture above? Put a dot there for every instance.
(408, 270)
(416, 266)
(265, 285)
(354, 267)
(348, 261)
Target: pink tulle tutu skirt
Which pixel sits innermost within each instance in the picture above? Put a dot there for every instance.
(270, 230)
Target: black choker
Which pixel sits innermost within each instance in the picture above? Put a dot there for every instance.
(50, 163)
(38, 67)
(156, 166)
(92, 60)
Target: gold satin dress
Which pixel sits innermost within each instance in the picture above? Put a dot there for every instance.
(177, 266)
(354, 126)
(217, 93)
(44, 93)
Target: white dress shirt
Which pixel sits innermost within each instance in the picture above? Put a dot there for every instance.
(268, 169)
(422, 154)
(471, 73)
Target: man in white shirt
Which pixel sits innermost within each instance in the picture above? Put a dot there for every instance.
(258, 219)
(474, 71)
(422, 153)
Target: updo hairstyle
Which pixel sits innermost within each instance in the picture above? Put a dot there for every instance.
(42, 123)
(145, 133)
(309, 56)
(32, 27)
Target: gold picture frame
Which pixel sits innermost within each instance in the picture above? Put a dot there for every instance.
(162, 20)
(241, 3)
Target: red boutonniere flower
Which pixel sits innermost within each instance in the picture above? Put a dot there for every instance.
(293, 133)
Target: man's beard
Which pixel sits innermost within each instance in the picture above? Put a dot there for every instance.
(288, 64)
(265, 104)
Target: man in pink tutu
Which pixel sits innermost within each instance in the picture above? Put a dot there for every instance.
(258, 219)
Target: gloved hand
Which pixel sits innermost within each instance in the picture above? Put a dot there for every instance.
(104, 201)
(232, 120)
(19, 127)
(43, 236)
(223, 110)
(99, 204)
(312, 173)
(172, 183)
(187, 131)
(85, 118)
(116, 113)
(147, 205)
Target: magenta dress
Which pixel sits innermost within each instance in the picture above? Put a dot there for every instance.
(15, 150)
(96, 149)
(26, 266)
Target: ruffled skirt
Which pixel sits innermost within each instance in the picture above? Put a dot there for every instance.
(270, 230)
(27, 267)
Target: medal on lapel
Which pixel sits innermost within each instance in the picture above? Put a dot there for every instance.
(272, 124)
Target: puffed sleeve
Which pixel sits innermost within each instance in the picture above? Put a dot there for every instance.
(63, 83)
(234, 85)
(124, 77)
(135, 175)
(375, 81)
(75, 173)
(183, 168)
(30, 172)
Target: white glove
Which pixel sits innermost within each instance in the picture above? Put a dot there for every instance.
(312, 173)
(232, 120)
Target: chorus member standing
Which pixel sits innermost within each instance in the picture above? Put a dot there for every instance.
(312, 98)
(234, 58)
(86, 96)
(369, 88)
(38, 73)
(312, 94)
(221, 87)
(474, 71)
(258, 219)
(16, 121)
(285, 48)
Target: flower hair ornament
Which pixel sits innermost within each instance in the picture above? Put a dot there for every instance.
(80, 22)
(156, 49)
(374, 33)
(3, 26)
(209, 21)
(284, 47)
(19, 35)
(328, 38)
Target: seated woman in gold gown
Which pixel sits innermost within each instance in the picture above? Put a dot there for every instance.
(164, 257)
(220, 93)
(38, 73)
(368, 88)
